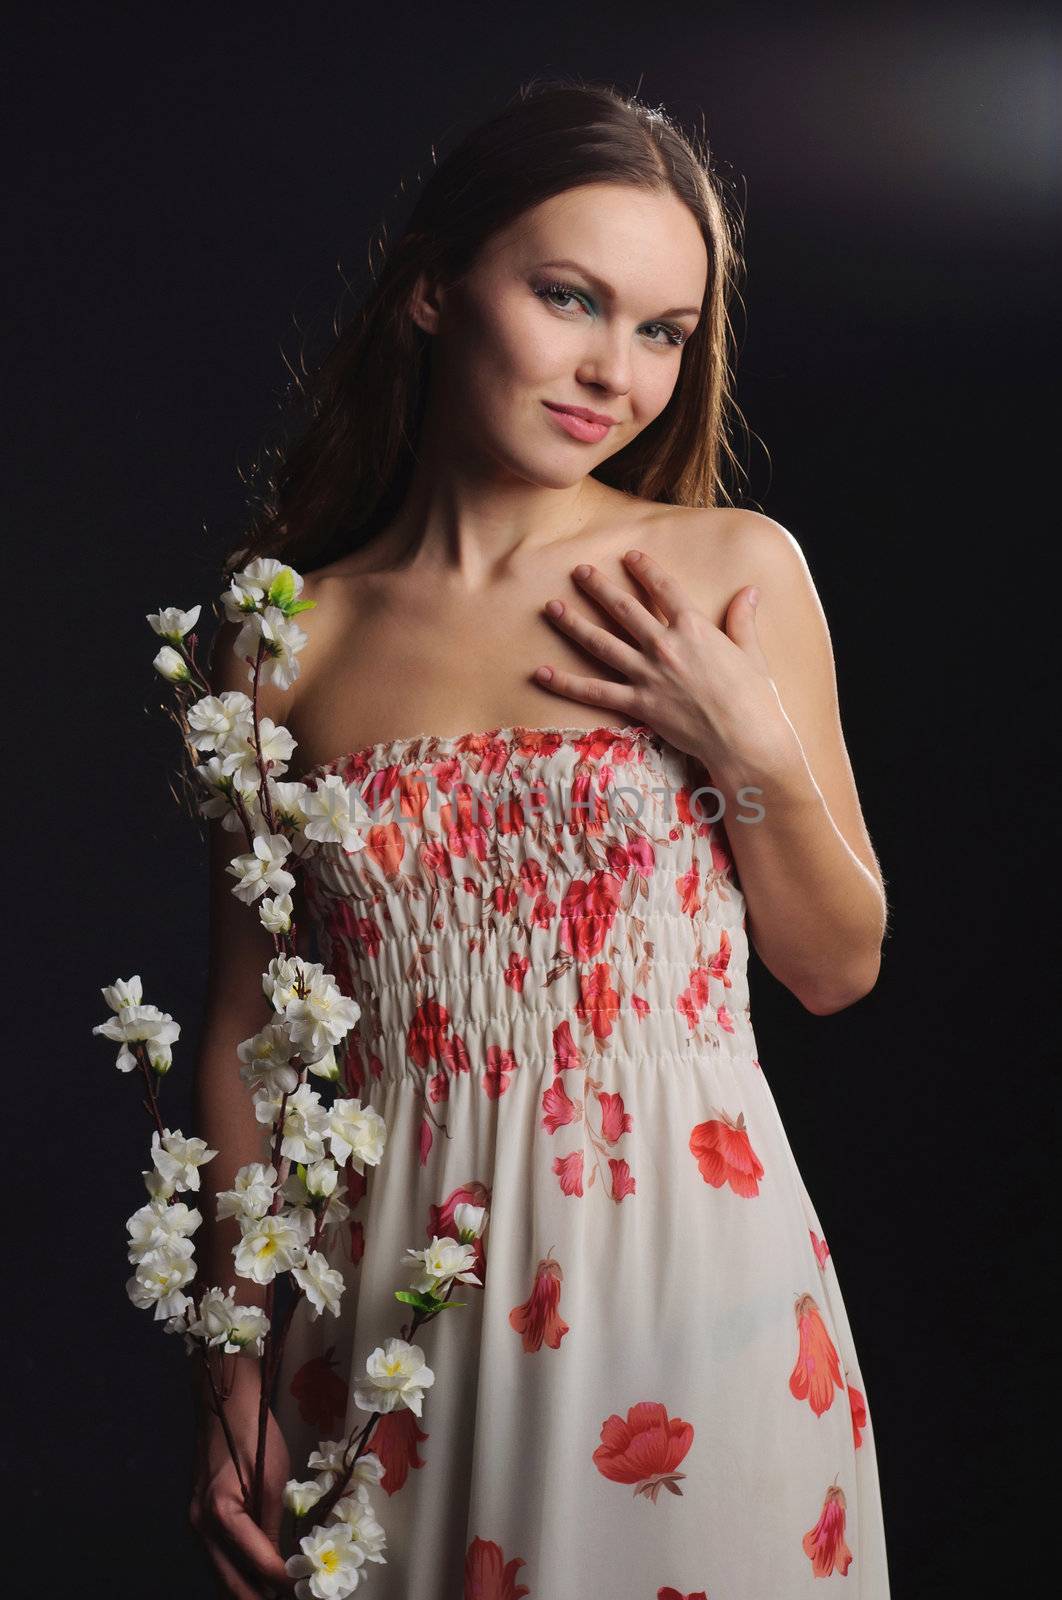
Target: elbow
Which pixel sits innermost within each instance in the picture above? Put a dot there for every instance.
(826, 999)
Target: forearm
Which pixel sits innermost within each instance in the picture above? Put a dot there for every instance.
(224, 1117)
(816, 914)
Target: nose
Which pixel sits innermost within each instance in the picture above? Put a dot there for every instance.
(606, 362)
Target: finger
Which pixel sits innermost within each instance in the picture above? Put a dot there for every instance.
(740, 625)
(664, 590)
(626, 608)
(596, 692)
(597, 641)
(248, 1540)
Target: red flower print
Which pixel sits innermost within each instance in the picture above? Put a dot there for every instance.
(687, 887)
(645, 1449)
(678, 1594)
(817, 1371)
(642, 856)
(640, 1006)
(719, 963)
(435, 859)
(503, 900)
(615, 1122)
(824, 1543)
(588, 911)
(569, 1170)
(599, 1002)
(695, 819)
(394, 1438)
(589, 810)
(438, 1087)
(622, 1182)
(386, 844)
(487, 1574)
(320, 1391)
(464, 824)
(426, 1030)
(820, 1247)
(619, 862)
(539, 1319)
(858, 1407)
(724, 1019)
(509, 814)
(424, 1141)
(725, 1155)
(500, 1066)
(559, 1108)
(516, 971)
(428, 1039)
(532, 877)
(542, 912)
(566, 1052)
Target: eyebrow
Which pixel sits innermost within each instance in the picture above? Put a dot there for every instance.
(609, 293)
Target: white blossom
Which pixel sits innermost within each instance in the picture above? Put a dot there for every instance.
(328, 1566)
(272, 1244)
(297, 1191)
(302, 1497)
(161, 1228)
(282, 639)
(276, 913)
(260, 869)
(159, 1282)
(220, 722)
(395, 1376)
(136, 1023)
(240, 756)
(305, 1125)
(356, 1133)
(172, 624)
(251, 1194)
(179, 1159)
(250, 588)
(329, 812)
(219, 801)
(222, 1322)
(440, 1263)
(169, 664)
(266, 1059)
(289, 801)
(469, 1220)
(322, 1284)
(124, 992)
(367, 1533)
(321, 1018)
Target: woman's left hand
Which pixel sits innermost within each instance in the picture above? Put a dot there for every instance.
(708, 692)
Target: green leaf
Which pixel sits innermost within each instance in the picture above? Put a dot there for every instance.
(281, 591)
(301, 605)
(422, 1302)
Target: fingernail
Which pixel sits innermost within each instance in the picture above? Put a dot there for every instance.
(754, 597)
(582, 570)
(634, 555)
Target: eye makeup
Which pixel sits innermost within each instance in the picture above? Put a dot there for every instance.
(555, 289)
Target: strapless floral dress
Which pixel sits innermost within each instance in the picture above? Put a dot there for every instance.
(654, 1393)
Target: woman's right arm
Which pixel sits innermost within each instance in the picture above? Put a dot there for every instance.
(235, 1008)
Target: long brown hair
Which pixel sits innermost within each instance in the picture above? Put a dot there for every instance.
(345, 475)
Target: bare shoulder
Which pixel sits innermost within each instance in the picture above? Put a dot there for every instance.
(714, 551)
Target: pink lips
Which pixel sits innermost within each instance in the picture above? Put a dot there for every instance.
(579, 427)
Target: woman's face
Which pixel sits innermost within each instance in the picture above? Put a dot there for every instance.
(584, 301)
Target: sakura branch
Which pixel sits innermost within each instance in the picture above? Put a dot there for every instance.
(287, 1204)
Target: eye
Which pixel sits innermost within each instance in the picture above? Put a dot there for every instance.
(562, 291)
(552, 292)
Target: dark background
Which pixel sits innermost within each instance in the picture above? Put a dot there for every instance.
(183, 185)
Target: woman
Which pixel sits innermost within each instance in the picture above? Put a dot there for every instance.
(540, 627)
